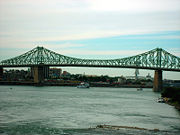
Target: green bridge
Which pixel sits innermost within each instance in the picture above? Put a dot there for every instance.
(40, 58)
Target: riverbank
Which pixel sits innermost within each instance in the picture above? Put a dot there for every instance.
(175, 104)
(173, 96)
(74, 84)
(124, 127)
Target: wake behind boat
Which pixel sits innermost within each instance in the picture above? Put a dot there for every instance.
(83, 85)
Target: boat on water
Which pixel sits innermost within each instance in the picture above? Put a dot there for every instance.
(83, 85)
(139, 89)
(160, 100)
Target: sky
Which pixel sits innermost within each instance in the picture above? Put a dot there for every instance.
(92, 29)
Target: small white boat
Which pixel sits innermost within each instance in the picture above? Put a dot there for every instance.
(139, 89)
(161, 100)
(83, 85)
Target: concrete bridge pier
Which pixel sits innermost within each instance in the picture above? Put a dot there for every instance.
(158, 83)
(38, 74)
(1, 72)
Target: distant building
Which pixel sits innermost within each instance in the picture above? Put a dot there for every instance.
(171, 83)
(130, 77)
(121, 80)
(55, 72)
(65, 74)
(148, 77)
(91, 75)
(15, 75)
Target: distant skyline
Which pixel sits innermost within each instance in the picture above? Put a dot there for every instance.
(92, 29)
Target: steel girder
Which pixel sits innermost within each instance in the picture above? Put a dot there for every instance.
(154, 59)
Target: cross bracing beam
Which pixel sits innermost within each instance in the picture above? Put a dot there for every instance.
(154, 59)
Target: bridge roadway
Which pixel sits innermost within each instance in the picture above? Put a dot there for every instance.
(40, 59)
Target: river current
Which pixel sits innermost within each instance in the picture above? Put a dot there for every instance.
(28, 110)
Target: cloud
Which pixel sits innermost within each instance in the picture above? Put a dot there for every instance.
(33, 22)
(57, 6)
(155, 37)
(134, 6)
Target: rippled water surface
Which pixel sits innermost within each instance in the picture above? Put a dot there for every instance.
(73, 111)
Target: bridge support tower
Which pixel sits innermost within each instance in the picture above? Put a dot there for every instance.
(158, 83)
(1, 72)
(39, 73)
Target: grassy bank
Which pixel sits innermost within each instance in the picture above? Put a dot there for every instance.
(174, 96)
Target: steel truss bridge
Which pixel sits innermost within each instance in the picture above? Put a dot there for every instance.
(156, 59)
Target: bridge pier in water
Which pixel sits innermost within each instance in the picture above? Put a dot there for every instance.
(1, 72)
(158, 83)
(40, 73)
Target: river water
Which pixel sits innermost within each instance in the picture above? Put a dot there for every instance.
(71, 111)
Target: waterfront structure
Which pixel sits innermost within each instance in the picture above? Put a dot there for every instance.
(55, 72)
(66, 74)
(39, 57)
(15, 75)
(121, 80)
(148, 77)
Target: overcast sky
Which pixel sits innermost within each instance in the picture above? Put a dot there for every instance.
(98, 29)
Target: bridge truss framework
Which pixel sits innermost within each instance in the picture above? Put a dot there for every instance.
(156, 59)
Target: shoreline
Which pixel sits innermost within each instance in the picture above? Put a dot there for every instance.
(171, 96)
(125, 127)
(175, 104)
(73, 85)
